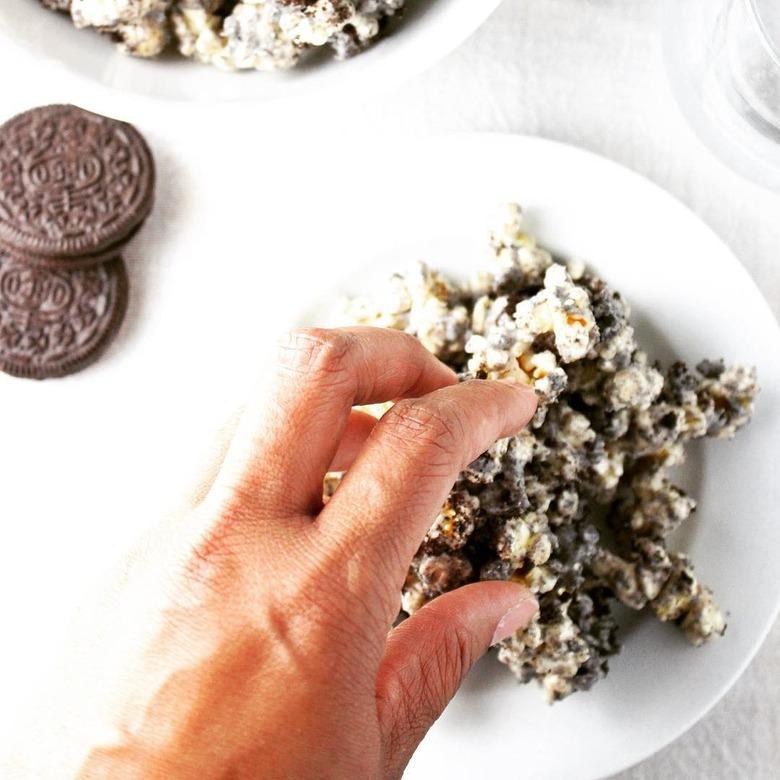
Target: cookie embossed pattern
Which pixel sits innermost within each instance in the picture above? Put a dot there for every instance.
(73, 185)
(53, 323)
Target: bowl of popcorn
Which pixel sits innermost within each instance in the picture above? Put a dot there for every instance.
(234, 50)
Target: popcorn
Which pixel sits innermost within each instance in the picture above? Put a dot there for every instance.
(140, 26)
(250, 37)
(726, 397)
(251, 34)
(685, 600)
(633, 387)
(650, 506)
(562, 308)
(107, 13)
(315, 22)
(439, 573)
(523, 540)
(364, 26)
(420, 302)
(553, 652)
(516, 259)
(621, 577)
(144, 38)
(609, 427)
(455, 524)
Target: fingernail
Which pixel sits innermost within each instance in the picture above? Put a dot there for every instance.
(516, 618)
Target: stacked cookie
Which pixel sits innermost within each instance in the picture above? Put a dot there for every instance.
(75, 187)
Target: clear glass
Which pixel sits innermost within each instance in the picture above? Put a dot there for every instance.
(746, 64)
(723, 58)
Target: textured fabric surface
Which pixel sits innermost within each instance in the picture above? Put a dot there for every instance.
(590, 73)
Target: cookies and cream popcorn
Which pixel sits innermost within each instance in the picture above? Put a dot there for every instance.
(454, 524)
(581, 506)
(250, 37)
(420, 302)
(561, 308)
(246, 35)
(515, 255)
(316, 22)
(140, 26)
(690, 604)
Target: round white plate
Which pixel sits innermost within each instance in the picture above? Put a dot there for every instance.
(429, 30)
(690, 299)
(90, 461)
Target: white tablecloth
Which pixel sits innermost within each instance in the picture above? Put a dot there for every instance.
(587, 72)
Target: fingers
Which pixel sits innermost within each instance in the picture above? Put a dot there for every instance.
(429, 654)
(289, 436)
(359, 427)
(399, 481)
(212, 461)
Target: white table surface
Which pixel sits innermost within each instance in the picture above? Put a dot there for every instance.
(587, 72)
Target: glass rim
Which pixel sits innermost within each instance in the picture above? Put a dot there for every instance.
(769, 44)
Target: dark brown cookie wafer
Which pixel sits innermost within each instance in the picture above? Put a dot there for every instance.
(72, 184)
(71, 263)
(54, 323)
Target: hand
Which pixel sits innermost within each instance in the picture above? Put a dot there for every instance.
(252, 636)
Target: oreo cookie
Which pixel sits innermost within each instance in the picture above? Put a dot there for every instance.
(74, 186)
(56, 322)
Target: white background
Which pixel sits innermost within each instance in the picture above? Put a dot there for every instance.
(588, 73)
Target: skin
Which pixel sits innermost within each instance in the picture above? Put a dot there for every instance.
(251, 635)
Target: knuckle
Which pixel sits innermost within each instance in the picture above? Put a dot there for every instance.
(417, 689)
(410, 342)
(217, 548)
(406, 701)
(316, 351)
(436, 428)
(454, 658)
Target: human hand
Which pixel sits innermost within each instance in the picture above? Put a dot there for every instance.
(252, 637)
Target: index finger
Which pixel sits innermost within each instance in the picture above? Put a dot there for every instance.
(392, 493)
(289, 435)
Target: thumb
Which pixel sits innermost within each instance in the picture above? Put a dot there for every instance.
(428, 656)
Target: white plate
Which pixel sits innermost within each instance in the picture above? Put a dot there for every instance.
(89, 461)
(429, 30)
(690, 299)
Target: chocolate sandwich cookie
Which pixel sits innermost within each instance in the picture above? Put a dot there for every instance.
(72, 263)
(56, 322)
(74, 185)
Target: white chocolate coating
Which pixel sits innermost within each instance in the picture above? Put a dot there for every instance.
(262, 35)
(609, 427)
